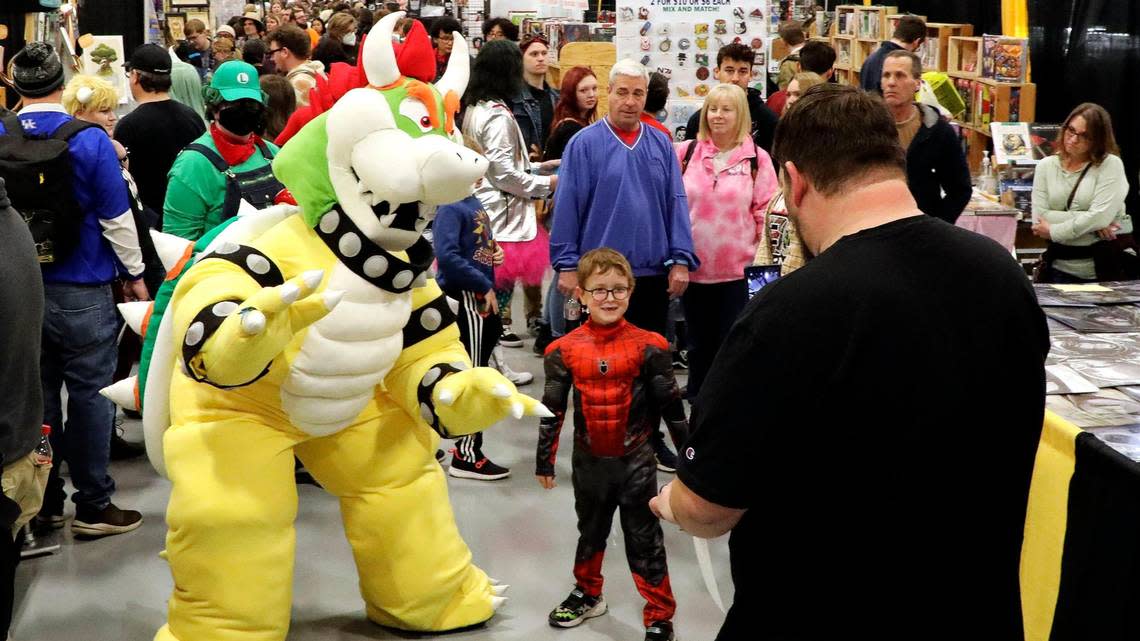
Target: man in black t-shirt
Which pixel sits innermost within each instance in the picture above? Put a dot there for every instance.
(869, 428)
(158, 128)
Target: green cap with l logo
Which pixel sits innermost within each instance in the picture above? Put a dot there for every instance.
(236, 80)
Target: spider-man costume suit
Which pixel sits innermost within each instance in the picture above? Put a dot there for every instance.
(623, 380)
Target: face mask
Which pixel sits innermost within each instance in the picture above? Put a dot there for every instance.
(349, 39)
(243, 118)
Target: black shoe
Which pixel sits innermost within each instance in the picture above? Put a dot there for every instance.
(577, 608)
(105, 522)
(666, 459)
(659, 631)
(50, 516)
(122, 449)
(542, 339)
(534, 326)
(41, 544)
(440, 455)
(481, 470)
(510, 339)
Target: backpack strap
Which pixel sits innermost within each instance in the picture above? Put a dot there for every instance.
(754, 160)
(70, 128)
(214, 157)
(13, 126)
(688, 156)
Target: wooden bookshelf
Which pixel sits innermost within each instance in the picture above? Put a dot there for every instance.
(935, 52)
(964, 56)
(844, 51)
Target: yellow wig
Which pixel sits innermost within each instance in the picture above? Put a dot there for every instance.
(88, 93)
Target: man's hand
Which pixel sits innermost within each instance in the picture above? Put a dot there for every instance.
(135, 290)
(535, 153)
(678, 280)
(567, 282)
(1109, 233)
(492, 302)
(498, 256)
(660, 504)
(547, 482)
(1041, 230)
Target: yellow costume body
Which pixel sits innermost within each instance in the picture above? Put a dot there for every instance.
(317, 334)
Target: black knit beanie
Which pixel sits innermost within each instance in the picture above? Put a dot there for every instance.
(37, 70)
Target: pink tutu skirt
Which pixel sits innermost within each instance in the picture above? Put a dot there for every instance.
(524, 261)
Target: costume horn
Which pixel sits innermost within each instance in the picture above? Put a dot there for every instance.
(458, 69)
(379, 57)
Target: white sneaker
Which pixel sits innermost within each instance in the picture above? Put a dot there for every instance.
(498, 362)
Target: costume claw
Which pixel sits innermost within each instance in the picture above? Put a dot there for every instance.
(290, 293)
(517, 410)
(446, 396)
(332, 298)
(493, 581)
(252, 322)
(542, 411)
(498, 601)
(501, 391)
(313, 277)
(499, 590)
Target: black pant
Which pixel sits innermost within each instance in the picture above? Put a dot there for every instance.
(479, 334)
(710, 311)
(9, 559)
(603, 485)
(649, 303)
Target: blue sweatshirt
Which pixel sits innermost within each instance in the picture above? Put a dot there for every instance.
(464, 248)
(629, 198)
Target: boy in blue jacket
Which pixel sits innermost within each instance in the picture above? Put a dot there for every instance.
(466, 256)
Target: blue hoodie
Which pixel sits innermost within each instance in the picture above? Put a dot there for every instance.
(464, 248)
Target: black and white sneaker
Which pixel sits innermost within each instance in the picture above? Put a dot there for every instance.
(481, 470)
(666, 459)
(105, 522)
(577, 608)
(510, 339)
(681, 359)
(659, 631)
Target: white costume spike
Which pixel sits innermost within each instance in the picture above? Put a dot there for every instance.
(170, 248)
(134, 314)
(122, 393)
(458, 68)
(499, 590)
(498, 601)
(379, 57)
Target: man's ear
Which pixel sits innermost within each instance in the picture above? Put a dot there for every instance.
(796, 183)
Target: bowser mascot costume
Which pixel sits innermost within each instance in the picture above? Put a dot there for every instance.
(315, 332)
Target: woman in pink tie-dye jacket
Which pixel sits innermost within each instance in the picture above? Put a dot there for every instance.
(728, 181)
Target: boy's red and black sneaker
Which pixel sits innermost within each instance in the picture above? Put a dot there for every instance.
(659, 631)
(577, 608)
(481, 470)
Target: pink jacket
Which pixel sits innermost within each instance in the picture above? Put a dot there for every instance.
(726, 208)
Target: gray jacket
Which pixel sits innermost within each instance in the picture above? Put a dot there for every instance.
(508, 190)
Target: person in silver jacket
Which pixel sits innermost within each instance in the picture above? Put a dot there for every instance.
(510, 188)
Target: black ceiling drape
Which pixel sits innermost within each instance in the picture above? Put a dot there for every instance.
(985, 15)
(1089, 51)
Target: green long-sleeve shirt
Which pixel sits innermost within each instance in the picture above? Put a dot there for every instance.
(1099, 202)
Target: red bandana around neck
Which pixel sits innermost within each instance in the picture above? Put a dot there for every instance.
(234, 153)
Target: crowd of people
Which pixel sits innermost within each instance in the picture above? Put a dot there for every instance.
(633, 226)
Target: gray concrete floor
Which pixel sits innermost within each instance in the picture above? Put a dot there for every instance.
(115, 589)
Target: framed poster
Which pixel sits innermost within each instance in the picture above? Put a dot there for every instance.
(203, 15)
(176, 26)
(189, 3)
(104, 58)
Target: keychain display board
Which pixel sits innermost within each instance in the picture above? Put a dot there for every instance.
(680, 38)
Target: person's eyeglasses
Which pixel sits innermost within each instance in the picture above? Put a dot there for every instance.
(274, 51)
(1079, 135)
(599, 294)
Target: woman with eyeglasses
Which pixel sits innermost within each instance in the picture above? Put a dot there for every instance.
(442, 38)
(1078, 204)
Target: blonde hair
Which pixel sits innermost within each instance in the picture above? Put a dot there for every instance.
(807, 79)
(89, 93)
(735, 96)
(600, 261)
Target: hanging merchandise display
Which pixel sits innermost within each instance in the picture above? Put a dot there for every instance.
(680, 39)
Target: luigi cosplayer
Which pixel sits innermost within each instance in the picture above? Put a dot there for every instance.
(227, 164)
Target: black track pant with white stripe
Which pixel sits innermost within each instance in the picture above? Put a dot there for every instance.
(479, 334)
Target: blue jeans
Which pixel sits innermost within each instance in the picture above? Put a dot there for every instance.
(554, 309)
(79, 330)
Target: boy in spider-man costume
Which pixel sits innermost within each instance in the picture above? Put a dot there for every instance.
(622, 378)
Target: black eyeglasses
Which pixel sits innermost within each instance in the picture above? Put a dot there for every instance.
(273, 51)
(1079, 135)
(600, 293)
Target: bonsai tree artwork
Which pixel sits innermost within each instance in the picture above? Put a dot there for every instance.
(104, 55)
